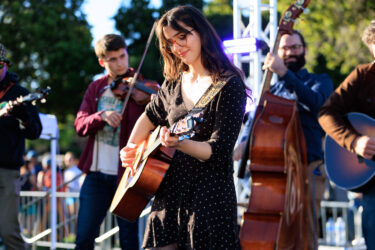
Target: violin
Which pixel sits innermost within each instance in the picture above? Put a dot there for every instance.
(141, 93)
(132, 86)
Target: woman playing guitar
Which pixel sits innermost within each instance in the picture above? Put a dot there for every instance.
(195, 205)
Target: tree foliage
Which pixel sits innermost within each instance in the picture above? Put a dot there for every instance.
(333, 31)
(220, 15)
(135, 24)
(169, 4)
(49, 43)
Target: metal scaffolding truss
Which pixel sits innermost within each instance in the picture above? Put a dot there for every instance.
(251, 11)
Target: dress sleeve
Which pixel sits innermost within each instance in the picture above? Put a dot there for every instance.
(156, 110)
(229, 112)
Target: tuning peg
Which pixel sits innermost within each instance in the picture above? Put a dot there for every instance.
(184, 137)
(43, 100)
(33, 102)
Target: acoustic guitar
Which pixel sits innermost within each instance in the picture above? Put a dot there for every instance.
(344, 168)
(150, 165)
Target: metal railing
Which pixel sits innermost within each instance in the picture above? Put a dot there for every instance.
(351, 216)
(34, 216)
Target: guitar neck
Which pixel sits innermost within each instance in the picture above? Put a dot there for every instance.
(266, 83)
(183, 133)
(151, 149)
(3, 112)
(30, 98)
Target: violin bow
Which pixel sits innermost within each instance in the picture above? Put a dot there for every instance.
(134, 79)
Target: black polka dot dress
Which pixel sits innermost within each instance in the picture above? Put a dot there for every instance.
(195, 205)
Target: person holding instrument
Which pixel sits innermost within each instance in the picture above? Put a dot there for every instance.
(98, 117)
(310, 91)
(16, 124)
(195, 205)
(356, 94)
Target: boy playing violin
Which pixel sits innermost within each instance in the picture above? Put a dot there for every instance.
(98, 117)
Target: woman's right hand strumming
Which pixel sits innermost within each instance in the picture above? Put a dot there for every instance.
(127, 156)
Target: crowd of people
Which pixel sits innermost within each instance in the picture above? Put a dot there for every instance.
(195, 206)
(35, 174)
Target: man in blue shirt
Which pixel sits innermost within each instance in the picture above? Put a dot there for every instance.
(310, 91)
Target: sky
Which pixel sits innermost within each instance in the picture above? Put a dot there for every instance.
(99, 15)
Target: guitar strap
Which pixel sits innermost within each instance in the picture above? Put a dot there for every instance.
(2, 93)
(210, 93)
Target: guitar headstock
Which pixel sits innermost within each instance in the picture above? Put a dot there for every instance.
(290, 15)
(7, 107)
(41, 95)
(185, 128)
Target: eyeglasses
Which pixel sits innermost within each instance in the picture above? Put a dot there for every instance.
(180, 40)
(293, 47)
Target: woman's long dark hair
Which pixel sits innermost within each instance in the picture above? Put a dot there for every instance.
(212, 54)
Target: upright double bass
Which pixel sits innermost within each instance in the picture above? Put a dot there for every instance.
(274, 218)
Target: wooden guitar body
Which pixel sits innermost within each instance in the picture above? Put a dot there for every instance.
(150, 165)
(274, 218)
(275, 213)
(134, 192)
(345, 168)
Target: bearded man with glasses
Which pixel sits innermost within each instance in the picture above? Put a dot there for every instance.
(310, 91)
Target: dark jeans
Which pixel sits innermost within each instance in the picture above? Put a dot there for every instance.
(95, 199)
(368, 218)
(9, 200)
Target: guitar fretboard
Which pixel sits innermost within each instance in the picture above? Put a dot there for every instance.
(151, 149)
